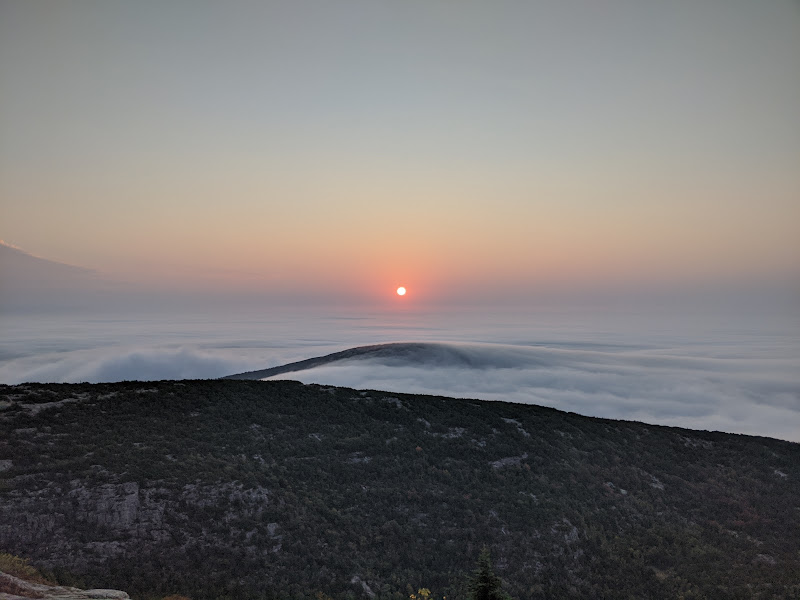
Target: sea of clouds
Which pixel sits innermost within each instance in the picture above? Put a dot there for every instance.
(739, 378)
(735, 394)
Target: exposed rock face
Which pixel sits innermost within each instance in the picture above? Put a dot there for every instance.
(120, 519)
(14, 588)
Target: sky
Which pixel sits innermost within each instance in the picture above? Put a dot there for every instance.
(470, 151)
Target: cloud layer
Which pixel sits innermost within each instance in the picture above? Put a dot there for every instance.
(736, 394)
(120, 364)
(698, 387)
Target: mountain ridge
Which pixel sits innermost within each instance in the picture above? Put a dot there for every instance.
(418, 352)
(252, 489)
(31, 281)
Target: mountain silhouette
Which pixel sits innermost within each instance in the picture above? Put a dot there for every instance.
(27, 281)
(429, 354)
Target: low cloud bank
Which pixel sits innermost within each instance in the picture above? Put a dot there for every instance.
(743, 395)
(690, 386)
(120, 364)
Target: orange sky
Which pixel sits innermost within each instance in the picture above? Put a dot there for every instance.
(502, 151)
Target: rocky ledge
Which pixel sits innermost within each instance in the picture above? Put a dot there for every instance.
(14, 588)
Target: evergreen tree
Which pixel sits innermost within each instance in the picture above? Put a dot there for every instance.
(484, 584)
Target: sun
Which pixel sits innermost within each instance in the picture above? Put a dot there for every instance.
(401, 291)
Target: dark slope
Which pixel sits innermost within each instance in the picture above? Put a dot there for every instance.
(399, 353)
(442, 354)
(261, 489)
(378, 350)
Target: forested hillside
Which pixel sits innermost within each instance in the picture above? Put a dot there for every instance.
(249, 489)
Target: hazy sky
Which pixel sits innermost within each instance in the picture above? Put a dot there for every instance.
(459, 148)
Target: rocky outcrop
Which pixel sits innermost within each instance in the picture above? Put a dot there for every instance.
(117, 520)
(14, 588)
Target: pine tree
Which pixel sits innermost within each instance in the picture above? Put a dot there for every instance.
(484, 584)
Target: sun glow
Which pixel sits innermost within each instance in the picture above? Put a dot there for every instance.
(401, 291)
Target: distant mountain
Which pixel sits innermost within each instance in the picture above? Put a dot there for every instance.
(400, 353)
(251, 489)
(27, 281)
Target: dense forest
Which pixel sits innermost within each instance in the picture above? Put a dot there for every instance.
(250, 489)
